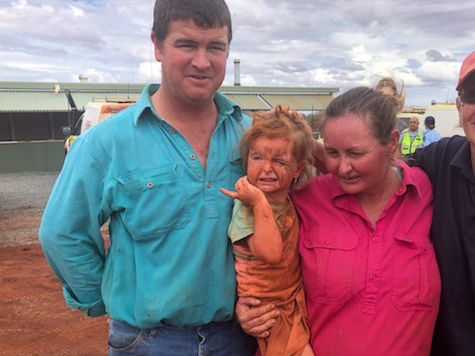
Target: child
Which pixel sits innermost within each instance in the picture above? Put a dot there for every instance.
(276, 152)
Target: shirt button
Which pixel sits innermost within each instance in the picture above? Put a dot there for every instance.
(149, 185)
(193, 156)
(327, 242)
(372, 276)
(208, 184)
(173, 131)
(375, 239)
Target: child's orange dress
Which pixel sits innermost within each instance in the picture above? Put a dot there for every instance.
(280, 283)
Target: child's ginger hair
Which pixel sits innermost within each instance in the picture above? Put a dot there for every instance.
(281, 122)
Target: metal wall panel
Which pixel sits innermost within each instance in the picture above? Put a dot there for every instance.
(41, 156)
(81, 99)
(33, 101)
(299, 102)
(248, 102)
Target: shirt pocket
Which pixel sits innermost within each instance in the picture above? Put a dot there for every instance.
(331, 263)
(155, 202)
(416, 284)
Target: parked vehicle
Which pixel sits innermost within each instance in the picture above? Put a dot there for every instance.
(95, 112)
(446, 119)
(445, 115)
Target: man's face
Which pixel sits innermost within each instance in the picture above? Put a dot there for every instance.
(466, 108)
(413, 124)
(193, 61)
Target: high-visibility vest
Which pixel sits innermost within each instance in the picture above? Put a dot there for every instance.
(409, 145)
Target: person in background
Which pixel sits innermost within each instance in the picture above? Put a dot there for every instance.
(154, 171)
(450, 165)
(411, 138)
(277, 154)
(369, 268)
(430, 133)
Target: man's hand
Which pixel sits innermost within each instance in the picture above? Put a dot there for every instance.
(255, 320)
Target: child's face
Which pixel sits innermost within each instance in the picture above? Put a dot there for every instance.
(271, 167)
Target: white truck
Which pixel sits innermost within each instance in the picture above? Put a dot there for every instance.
(94, 113)
(446, 119)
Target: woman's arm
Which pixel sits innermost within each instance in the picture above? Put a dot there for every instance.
(319, 157)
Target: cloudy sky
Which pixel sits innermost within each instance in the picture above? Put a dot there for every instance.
(314, 43)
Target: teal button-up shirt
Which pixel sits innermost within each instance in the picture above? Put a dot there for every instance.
(170, 260)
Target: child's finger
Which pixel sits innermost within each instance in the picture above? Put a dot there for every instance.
(229, 193)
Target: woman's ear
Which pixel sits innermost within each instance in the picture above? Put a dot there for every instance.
(394, 140)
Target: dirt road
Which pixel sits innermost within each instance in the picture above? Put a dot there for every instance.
(34, 320)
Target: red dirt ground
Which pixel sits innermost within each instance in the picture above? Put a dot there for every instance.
(34, 319)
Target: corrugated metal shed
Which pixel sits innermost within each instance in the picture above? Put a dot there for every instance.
(16, 101)
(44, 97)
(48, 97)
(35, 112)
(81, 99)
(41, 156)
(299, 101)
(248, 102)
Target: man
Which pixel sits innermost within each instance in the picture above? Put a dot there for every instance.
(450, 164)
(154, 171)
(430, 134)
(411, 138)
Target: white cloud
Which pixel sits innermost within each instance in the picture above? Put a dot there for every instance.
(338, 43)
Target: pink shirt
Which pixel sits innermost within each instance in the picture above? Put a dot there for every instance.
(372, 292)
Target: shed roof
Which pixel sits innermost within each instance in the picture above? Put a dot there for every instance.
(11, 101)
(81, 99)
(49, 96)
(306, 102)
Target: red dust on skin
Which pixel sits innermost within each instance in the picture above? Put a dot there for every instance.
(271, 167)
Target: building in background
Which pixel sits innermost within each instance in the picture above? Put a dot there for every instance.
(33, 115)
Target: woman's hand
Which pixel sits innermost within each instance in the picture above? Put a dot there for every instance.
(255, 320)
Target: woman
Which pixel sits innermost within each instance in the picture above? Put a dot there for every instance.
(369, 268)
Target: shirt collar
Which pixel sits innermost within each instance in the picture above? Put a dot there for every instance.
(226, 107)
(462, 158)
(409, 182)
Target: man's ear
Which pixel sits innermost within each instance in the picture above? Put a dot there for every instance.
(156, 47)
(458, 103)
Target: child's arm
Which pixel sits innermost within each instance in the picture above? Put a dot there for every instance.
(265, 243)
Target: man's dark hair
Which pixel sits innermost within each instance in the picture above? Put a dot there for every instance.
(204, 13)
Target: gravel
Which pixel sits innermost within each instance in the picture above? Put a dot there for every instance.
(23, 197)
(25, 189)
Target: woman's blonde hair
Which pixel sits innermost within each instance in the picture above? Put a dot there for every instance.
(379, 106)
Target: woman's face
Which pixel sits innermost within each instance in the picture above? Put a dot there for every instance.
(358, 161)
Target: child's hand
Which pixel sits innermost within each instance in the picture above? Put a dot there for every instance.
(245, 192)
